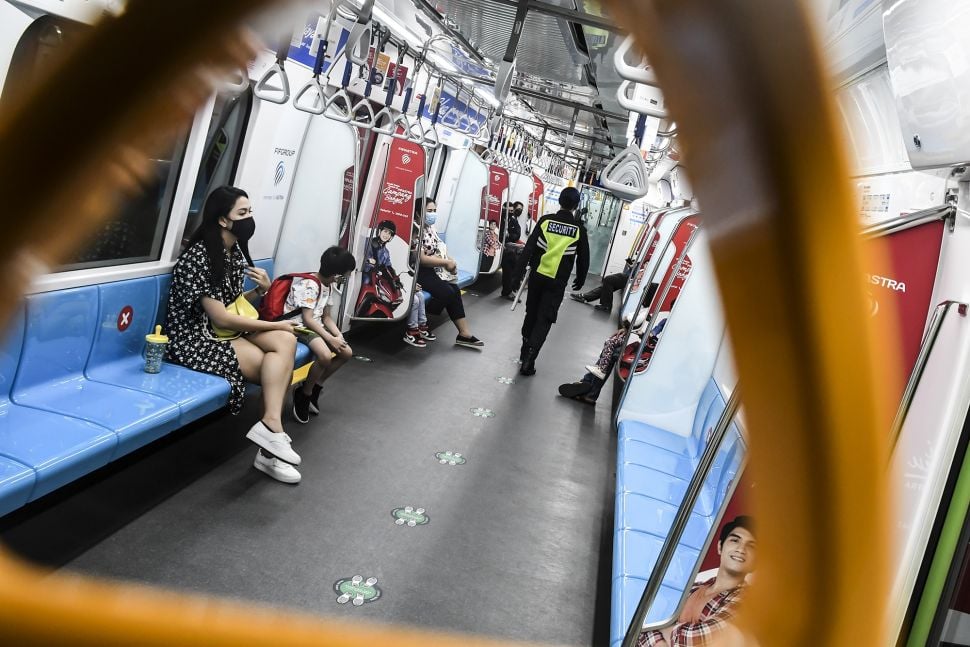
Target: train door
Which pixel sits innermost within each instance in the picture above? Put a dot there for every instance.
(494, 198)
(387, 235)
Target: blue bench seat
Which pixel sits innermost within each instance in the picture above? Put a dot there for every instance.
(654, 468)
(73, 392)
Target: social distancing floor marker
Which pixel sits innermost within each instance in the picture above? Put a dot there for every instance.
(505, 380)
(450, 458)
(410, 516)
(361, 358)
(357, 590)
(479, 412)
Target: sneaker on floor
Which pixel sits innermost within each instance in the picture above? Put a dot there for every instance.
(274, 467)
(273, 443)
(575, 390)
(469, 342)
(427, 335)
(577, 296)
(315, 399)
(301, 405)
(596, 370)
(414, 338)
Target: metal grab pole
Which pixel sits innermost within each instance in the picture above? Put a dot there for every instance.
(683, 516)
(929, 341)
(518, 295)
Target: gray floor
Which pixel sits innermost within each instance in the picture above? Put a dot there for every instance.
(519, 541)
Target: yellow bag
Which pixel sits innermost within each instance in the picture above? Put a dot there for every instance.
(242, 307)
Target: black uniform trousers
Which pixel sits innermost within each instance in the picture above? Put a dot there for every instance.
(604, 292)
(510, 258)
(444, 295)
(542, 303)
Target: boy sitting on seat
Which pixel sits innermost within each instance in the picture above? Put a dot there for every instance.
(310, 301)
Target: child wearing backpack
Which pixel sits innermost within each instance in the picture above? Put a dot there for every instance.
(306, 299)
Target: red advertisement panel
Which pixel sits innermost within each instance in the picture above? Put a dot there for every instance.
(654, 241)
(535, 200)
(382, 294)
(405, 165)
(900, 284)
(498, 186)
(346, 204)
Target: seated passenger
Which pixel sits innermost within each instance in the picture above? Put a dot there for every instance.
(712, 604)
(311, 301)
(588, 388)
(513, 248)
(438, 275)
(418, 334)
(490, 246)
(205, 336)
(604, 291)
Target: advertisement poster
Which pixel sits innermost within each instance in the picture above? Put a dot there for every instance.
(537, 199)
(900, 284)
(651, 249)
(386, 252)
(491, 229)
(347, 207)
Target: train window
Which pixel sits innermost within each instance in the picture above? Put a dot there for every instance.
(137, 231)
(223, 146)
(437, 168)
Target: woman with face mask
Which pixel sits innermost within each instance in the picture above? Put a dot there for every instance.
(434, 264)
(205, 336)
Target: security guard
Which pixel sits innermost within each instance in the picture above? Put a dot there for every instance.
(557, 242)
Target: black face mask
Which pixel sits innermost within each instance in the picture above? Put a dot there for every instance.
(518, 212)
(243, 229)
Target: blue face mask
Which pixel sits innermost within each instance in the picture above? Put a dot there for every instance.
(431, 217)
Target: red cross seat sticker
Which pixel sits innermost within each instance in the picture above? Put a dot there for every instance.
(125, 318)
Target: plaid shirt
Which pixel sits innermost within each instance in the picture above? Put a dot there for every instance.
(714, 617)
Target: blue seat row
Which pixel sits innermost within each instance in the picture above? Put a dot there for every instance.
(654, 468)
(73, 392)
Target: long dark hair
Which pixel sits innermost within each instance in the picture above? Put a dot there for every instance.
(219, 204)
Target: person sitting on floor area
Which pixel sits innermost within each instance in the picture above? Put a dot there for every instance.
(604, 291)
(588, 388)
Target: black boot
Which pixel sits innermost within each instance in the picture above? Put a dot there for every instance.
(524, 351)
(529, 364)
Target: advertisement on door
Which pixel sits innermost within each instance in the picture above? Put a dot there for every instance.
(537, 199)
(383, 295)
(899, 283)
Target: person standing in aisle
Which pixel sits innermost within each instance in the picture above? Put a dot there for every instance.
(513, 248)
(557, 243)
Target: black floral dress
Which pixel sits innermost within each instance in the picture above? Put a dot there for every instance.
(191, 342)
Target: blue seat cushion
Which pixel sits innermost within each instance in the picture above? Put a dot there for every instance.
(644, 433)
(465, 278)
(644, 514)
(138, 418)
(651, 483)
(658, 458)
(196, 394)
(16, 484)
(626, 595)
(303, 355)
(58, 448)
(635, 555)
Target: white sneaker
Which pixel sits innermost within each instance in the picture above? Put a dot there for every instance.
(595, 370)
(276, 444)
(279, 470)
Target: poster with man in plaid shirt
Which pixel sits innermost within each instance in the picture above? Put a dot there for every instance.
(713, 603)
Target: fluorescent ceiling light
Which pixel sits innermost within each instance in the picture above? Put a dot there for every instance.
(389, 20)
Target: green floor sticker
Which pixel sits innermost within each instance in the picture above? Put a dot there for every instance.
(479, 412)
(450, 458)
(410, 517)
(505, 380)
(357, 590)
(515, 360)
(361, 358)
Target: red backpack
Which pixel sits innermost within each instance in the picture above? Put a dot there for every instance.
(271, 308)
